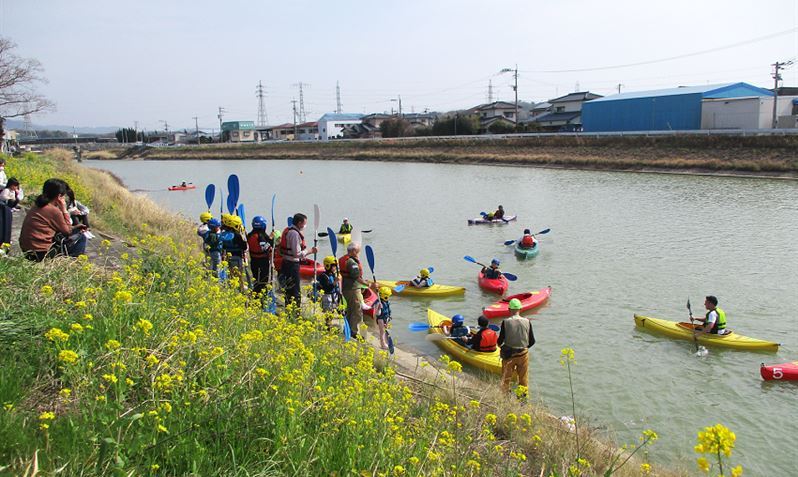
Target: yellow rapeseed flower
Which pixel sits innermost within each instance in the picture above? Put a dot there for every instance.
(645, 468)
(737, 471)
(123, 296)
(111, 378)
(151, 360)
(454, 366)
(111, 345)
(65, 393)
(56, 334)
(703, 464)
(144, 325)
(68, 356)
(76, 327)
(46, 290)
(567, 356)
(650, 436)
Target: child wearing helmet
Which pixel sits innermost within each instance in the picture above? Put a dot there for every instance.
(382, 314)
(330, 284)
(260, 245)
(234, 246)
(213, 243)
(484, 340)
(492, 271)
(423, 279)
(459, 330)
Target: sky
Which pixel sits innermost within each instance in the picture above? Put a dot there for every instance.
(116, 63)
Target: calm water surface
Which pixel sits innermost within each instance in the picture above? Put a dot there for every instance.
(620, 244)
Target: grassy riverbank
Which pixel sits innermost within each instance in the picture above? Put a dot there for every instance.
(743, 155)
(155, 368)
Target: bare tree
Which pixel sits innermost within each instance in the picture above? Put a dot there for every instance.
(18, 80)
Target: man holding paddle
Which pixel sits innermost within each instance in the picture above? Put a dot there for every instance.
(715, 320)
(352, 273)
(293, 250)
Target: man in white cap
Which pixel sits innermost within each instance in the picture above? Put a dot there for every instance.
(346, 227)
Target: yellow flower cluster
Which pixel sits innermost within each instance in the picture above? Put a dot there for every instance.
(567, 356)
(716, 441)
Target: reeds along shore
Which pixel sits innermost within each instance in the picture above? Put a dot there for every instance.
(155, 368)
(743, 155)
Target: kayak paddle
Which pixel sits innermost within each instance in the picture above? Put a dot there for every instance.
(347, 330)
(272, 298)
(698, 351)
(508, 276)
(290, 221)
(232, 193)
(441, 337)
(210, 194)
(241, 213)
(370, 260)
(418, 326)
(316, 219)
(542, 232)
(333, 243)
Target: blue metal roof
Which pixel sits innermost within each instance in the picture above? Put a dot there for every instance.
(341, 117)
(707, 91)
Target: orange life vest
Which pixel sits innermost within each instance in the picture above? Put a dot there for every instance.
(488, 340)
(342, 266)
(528, 241)
(284, 251)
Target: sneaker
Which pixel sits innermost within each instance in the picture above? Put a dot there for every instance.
(88, 234)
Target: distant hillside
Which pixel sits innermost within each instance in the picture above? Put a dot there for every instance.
(19, 125)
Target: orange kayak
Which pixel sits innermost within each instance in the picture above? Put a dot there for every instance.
(529, 300)
(185, 187)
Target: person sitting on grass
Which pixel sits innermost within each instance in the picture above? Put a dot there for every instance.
(493, 271)
(527, 241)
(12, 195)
(423, 279)
(485, 339)
(47, 230)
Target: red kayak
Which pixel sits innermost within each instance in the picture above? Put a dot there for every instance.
(369, 300)
(305, 268)
(528, 300)
(183, 187)
(780, 372)
(493, 285)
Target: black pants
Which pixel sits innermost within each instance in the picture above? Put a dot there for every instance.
(289, 278)
(260, 272)
(5, 224)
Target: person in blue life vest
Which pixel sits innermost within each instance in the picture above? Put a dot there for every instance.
(492, 271)
(213, 244)
(234, 245)
(346, 227)
(260, 245)
(485, 339)
(382, 314)
(203, 226)
(459, 330)
(527, 241)
(293, 251)
(329, 283)
(714, 322)
(423, 279)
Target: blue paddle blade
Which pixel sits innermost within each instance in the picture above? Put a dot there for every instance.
(390, 344)
(510, 276)
(333, 241)
(347, 330)
(370, 257)
(543, 232)
(232, 193)
(416, 326)
(468, 258)
(494, 327)
(290, 221)
(231, 205)
(431, 269)
(272, 308)
(483, 214)
(210, 194)
(242, 214)
(399, 288)
(509, 242)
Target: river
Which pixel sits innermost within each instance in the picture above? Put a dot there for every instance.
(620, 243)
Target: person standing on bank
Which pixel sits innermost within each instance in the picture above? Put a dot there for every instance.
(293, 251)
(515, 339)
(352, 273)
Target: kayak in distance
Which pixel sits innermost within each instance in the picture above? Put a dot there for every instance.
(481, 220)
(684, 331)
(527, 252)
(183, 187)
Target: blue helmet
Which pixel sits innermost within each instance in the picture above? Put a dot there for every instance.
(214, 223)
(458, 319)
(495, 261)
(259, 222)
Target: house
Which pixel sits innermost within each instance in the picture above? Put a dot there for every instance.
(748, 112)
(673, 109)
(418, 120)
(375, 119)
(361, 131)
(308, 131)
(563, 113)
(238, 131)
(331, 125)
(497, 108)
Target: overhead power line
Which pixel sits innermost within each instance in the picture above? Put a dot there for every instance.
(671, 58)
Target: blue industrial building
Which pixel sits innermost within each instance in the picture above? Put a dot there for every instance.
(675, 109)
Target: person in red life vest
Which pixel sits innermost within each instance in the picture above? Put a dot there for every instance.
(527, 241)
(352, 283)
(485, 339)
(260, 249)
(293, 250)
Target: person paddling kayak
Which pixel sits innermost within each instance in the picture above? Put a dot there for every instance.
(498, 214)
(423, 279)
(493, 271)
(715, 319)
(527, 241)
(346, 227)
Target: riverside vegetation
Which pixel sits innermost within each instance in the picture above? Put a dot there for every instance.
(155, 368)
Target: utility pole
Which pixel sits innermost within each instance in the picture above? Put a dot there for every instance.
(301, 86)
(490, 91)
(776, 78)
(619, 88)
(262, 118)
(166, 129)
(338, 107)
(136, 131)
(220, 116)
(196, 128)
(515, 88)
(293, 102)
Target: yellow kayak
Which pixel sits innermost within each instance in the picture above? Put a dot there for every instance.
(490, 362)
(683, 331)
(344, 238)
(434, 290)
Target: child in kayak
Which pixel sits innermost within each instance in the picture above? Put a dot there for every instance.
(459, 330)
(527, 241)
(484, 340)
(382, 315)
(213, 244)
(492, 271)
(423, 279)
